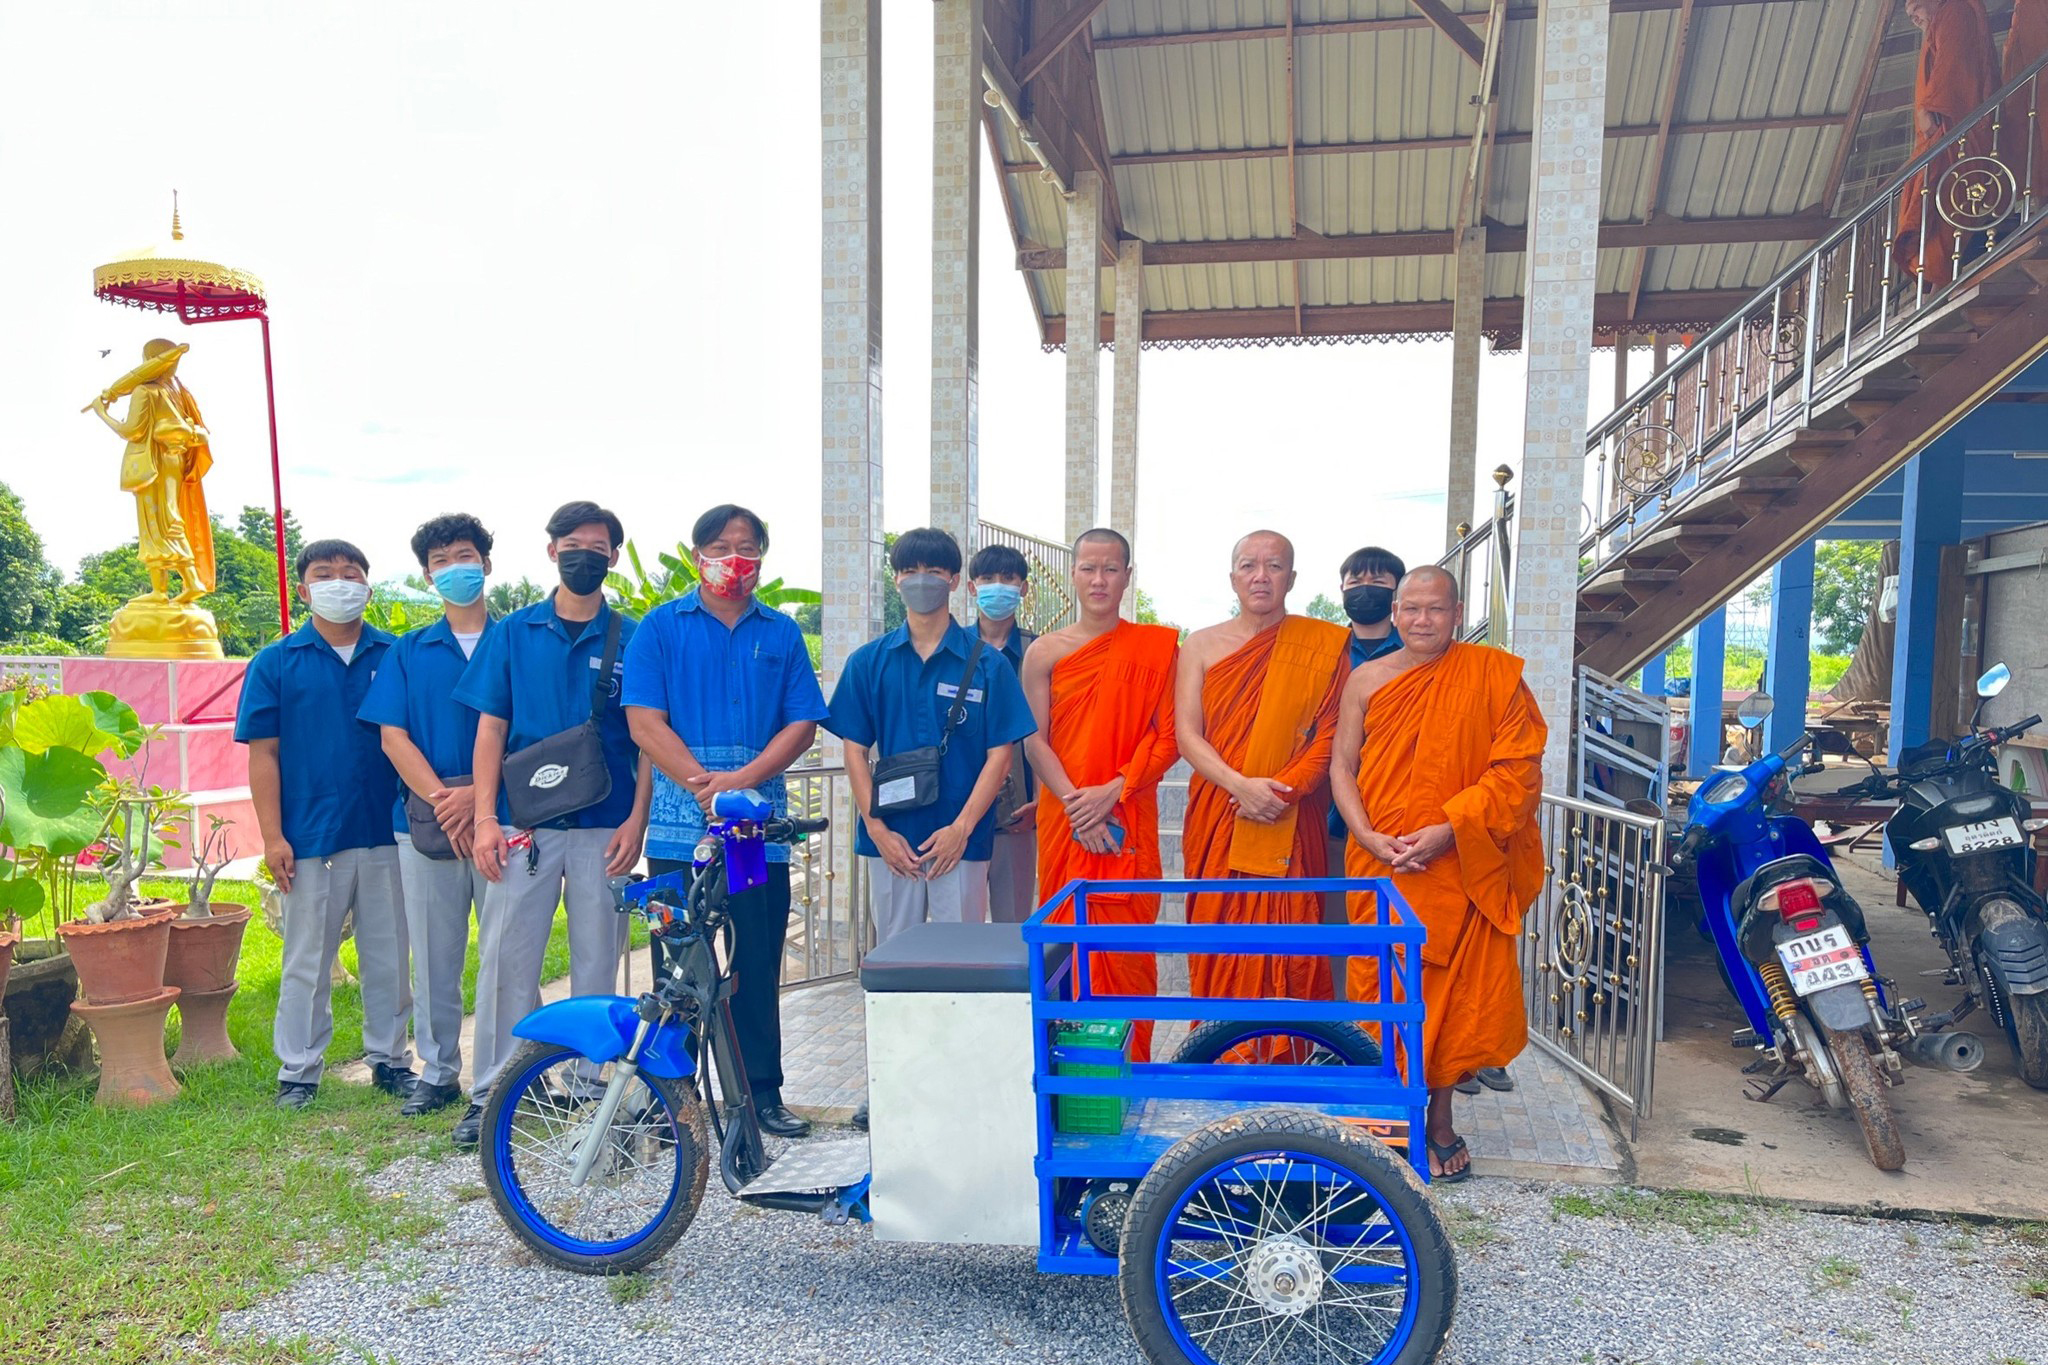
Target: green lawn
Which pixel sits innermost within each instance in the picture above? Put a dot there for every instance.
(128, 1233)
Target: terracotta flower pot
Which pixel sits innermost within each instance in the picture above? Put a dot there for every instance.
(7, 942)
(120, 961)
(133, 1068)
(204, 951)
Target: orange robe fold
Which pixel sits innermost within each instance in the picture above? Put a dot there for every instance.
(1958, 71)
(2025, 41)
(1458, 740)
(1112, 715)
(1270, 710)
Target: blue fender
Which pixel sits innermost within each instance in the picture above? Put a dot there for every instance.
(601, 1027)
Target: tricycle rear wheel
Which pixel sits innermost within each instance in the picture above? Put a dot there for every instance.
(1277, 1234)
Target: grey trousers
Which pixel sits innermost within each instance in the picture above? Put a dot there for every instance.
(1013, 874)
(899, 902)
(323, 891)
(512, 939)
(439, 896)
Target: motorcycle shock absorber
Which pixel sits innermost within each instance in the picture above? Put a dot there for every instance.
(1780, 991)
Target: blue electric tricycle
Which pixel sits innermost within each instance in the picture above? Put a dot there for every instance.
(1273, 1213)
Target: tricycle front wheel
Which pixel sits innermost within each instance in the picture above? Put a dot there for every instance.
(1285, 1236)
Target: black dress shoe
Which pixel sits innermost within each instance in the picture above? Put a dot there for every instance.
(427, 1097)
(860, 1116)
(469, 1129)
(393, 1080)
(776, 1119)
(295, 1094)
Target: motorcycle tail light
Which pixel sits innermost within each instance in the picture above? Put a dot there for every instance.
(1927, 845)
(1797, 903)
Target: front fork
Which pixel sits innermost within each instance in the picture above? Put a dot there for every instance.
(600, 1129)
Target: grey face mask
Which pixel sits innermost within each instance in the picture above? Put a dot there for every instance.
(923, 592)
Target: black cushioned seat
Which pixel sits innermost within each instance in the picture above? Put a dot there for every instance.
(962, 958)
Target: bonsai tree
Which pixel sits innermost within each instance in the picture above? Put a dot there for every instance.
(122, 873)
(207, 861)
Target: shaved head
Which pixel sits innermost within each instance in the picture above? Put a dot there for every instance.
(1102, 535)
(1427, 577)
(1427, 611)
(1286, 545)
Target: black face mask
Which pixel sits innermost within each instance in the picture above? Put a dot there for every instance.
(583, 571)
(1368, 603)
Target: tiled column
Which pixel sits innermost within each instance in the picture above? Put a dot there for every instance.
(852, 355)
(1557, 328)
(1467, 314)
(1084, 345)
(1788, 667)
(1123, 422)
(1709, 660)
(956, 274)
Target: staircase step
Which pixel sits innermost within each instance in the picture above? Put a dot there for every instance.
(2036, 270)
(1601, 618)
(1688, 541)
(1984, 316)
(1737, 498)
(1641, 584)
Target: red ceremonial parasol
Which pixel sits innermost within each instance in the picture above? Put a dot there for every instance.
(167, 279)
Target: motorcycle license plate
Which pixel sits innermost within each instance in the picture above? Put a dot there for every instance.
(2003, 832)
(1815, 962)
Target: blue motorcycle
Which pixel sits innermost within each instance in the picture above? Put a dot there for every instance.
(1793, 947)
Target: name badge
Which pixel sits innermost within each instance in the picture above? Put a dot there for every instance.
(902, 789)
(947, 689)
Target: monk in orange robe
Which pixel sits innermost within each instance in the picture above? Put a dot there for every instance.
(2025, 42)
(1257, 709)
(1437, 770)
(1958, 71)
(1102, 693)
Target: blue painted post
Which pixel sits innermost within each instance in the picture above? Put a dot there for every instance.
(1709, 650)
(1653, 677)
(1932, 517)
(1788, 669)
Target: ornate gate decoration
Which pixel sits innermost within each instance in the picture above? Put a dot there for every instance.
(1593, 948)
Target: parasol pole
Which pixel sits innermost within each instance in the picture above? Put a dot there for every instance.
(284, 600)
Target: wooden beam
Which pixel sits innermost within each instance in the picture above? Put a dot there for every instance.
(1062, 31)
(1309, 246)
(1662, 155)
(1856, 106)
(1699, 308)
(1454, 142)
(1472, 197)
(1293, 190)
(1005, 84)
(1451, 25)
(1343, 26)
(995, 152)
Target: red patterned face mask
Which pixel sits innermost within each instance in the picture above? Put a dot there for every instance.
(730, 576)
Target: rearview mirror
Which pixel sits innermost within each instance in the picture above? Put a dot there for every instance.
(1994, 680)
(1752, 709)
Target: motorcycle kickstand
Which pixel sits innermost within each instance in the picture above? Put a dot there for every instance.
(1761, 1091)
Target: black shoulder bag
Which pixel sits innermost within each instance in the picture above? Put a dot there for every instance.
(910, 780)
(565, 772)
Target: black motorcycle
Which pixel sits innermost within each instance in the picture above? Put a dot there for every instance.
(1960, 841)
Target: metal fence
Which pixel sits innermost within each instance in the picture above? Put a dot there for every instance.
(829, 927)
(1593, 948)
(1480, 562)
(1050, 603)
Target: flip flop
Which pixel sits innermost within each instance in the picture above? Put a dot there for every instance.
(1443, 1152)
(1496, 1078)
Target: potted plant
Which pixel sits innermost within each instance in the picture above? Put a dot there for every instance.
(118, 951)
(205, 948)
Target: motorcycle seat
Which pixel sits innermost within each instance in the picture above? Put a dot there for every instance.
(1782, 870)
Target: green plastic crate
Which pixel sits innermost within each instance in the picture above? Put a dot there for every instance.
(1108, 1042)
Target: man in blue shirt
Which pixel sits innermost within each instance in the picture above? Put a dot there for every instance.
(322, 789)
(894, 695)
(532, 678)
(720, 695)
(1002, 579)
(430, 739)
(1367, 579)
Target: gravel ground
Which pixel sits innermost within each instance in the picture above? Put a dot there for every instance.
(1549, 1274)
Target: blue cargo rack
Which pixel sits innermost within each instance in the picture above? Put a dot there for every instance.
(1167, 1101)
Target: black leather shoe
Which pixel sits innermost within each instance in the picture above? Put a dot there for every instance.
(392, 1080)
(860, 1116)
(776, 1119)
(426, 1098)
(295, 1094)
(469, 1129)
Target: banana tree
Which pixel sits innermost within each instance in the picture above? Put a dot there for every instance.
(645, 590)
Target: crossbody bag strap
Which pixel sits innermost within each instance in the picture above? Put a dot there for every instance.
(604, 669)
(957, 712)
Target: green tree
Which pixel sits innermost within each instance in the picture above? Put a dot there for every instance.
(258, 527)
(243, 600)
(28, 583)
(1323, 609)
(506, 598)
(642, 590)
(1844, 585)
(1148, 614)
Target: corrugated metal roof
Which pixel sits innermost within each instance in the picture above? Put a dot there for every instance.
(1790, 62)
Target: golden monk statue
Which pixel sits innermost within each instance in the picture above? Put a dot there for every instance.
(166, 458)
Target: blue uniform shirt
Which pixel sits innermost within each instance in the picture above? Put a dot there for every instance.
(535, 672)
(1013, 650)
(1362, 651)
(415, 691)
(335, 785)
(727, 692)
(889, 700)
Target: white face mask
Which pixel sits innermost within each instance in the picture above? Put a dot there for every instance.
(338, 601)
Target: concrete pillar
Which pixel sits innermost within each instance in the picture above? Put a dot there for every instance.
(1653, 677)
(851, 365)
(1467, 314)
(1123, 422)
(1709, 654)
(1559, 277)
(956, 275)
(1084, 346)
(1788, 667)
(1931, 518)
